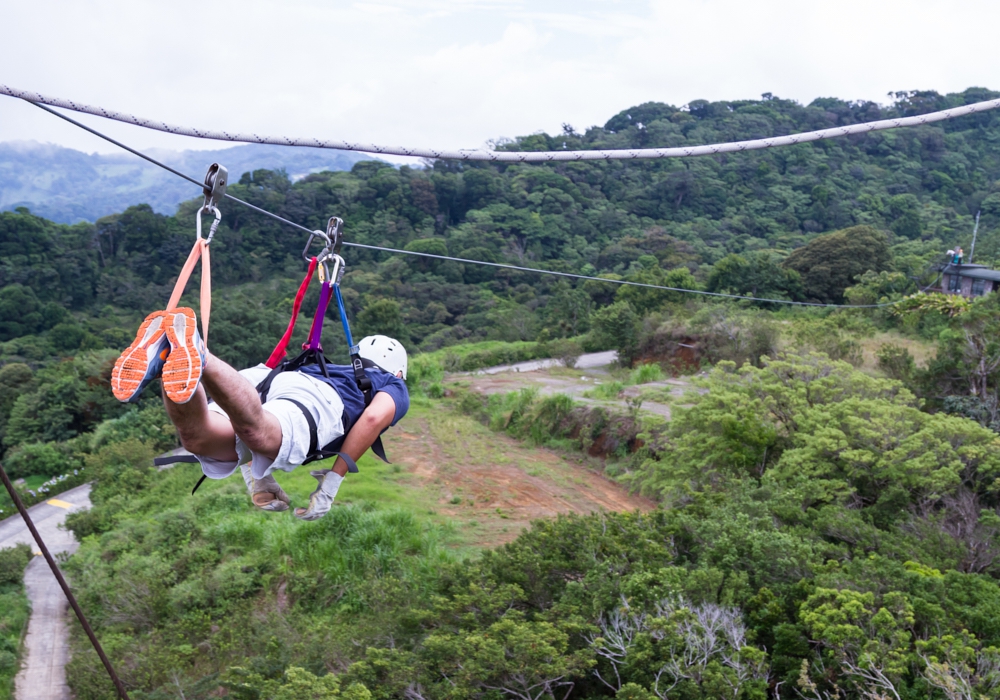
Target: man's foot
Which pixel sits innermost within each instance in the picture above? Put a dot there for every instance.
(182, 370)
(141, 362)
(321, 500)
(265, 493)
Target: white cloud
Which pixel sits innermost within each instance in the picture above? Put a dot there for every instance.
(456, 73)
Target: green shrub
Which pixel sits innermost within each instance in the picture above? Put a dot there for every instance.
(605, 390)
(38, 459)
(643, 374)
(896, 361)
(568, 351)
(12, 563)
(120, 467)
(150, 425)
(616, 327)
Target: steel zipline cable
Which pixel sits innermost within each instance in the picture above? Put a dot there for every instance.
(505, 266)
(510, 156)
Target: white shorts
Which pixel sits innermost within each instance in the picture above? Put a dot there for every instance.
(323, 402)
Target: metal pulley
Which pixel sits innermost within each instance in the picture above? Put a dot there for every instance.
(216, 180)
(214, 190)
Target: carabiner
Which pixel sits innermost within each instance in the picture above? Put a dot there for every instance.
(339, 268)
(312, 237)
(214, 190)
(215, 224)
(335, 233)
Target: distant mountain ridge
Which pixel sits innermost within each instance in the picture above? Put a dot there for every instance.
(68, 186)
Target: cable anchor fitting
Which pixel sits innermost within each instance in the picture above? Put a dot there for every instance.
(214, 189)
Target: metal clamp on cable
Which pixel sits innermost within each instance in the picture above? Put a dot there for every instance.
(214, 190)
(335, 234)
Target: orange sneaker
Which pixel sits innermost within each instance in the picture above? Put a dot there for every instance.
(141, 362)
(184, 365)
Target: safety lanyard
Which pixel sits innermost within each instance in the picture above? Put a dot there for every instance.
(281, 349)
(214, 190)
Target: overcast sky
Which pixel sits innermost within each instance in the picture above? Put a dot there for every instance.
(457, 73)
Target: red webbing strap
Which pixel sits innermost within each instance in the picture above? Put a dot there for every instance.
(198, 250)
(281, 349)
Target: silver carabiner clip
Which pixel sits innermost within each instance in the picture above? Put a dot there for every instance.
(215, 223)
(339, 268)
(312, 237)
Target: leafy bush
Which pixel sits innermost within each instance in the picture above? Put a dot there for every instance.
(616, 327)
(12, 563)
(39, 459)
(150, 425)
(725, 333)
(896, 361)
(643, 374)
(606, 390)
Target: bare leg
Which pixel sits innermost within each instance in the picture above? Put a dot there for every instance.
(201, 431)
(258, 429)
(211, 434)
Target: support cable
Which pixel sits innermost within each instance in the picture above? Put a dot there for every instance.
(62, 583)
(506, 266)
(511, 156)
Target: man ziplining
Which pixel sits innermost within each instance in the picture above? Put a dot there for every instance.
(237, 429)
(277, 415)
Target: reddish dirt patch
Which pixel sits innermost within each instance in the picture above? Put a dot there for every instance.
(501, 484)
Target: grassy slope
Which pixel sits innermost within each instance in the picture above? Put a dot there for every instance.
(14, 611)
(318, 589)
(476, 487)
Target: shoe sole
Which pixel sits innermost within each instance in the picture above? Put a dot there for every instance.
(130, 372)
(182, 370)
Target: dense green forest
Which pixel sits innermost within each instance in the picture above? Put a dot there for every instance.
(826, 529)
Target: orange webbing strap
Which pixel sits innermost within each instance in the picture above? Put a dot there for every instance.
(198, 250)
(281, 349)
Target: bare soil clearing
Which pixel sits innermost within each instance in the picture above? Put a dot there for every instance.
(494, 486)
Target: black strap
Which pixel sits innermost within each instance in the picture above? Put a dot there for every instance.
(364, 382)
(313, 430)
(203, 477)
(173, 459)
(178, 459)
(315, 453)
(379, 450)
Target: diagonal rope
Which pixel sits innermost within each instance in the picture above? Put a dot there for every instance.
(62, 583)
(506, 266)
(509, 156)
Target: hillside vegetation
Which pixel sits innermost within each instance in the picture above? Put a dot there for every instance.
(828, 522)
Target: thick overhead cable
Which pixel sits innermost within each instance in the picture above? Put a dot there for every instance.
(510, 156)
(506, 266)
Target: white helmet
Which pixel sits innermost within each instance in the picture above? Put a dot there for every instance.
(384, 352)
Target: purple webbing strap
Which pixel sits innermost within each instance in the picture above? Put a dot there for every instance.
(317, 325)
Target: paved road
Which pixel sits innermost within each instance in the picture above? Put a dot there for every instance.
(587, 361)
(43, 676)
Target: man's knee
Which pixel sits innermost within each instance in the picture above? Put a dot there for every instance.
(262, 439)
(197, 442)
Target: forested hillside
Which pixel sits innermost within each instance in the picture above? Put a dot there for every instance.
(828, 521)
(68, 186)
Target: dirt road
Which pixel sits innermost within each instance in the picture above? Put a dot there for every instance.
(591, 370)
(43, 674)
